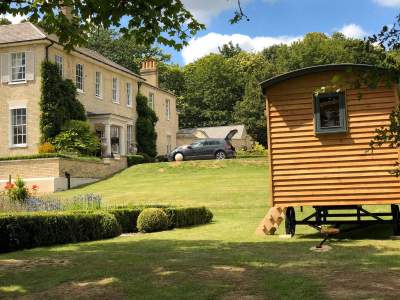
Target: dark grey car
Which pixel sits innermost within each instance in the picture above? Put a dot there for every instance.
(206, 149)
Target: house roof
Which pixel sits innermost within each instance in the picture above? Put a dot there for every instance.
(27, 32)
(316, 69)
(218, 132)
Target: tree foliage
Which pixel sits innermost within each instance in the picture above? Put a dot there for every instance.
(171, 78)
(146, 136)
(148, 21)
(58, 102)
(222, 89)
(124, 50)
(4, 21)
(250, 111)
(211, 88)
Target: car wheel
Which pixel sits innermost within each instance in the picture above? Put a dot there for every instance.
(178, 157)
(220, 155)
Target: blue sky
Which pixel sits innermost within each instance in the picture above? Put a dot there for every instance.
(276, 21)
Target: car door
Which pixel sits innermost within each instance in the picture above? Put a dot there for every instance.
(209, 150)
(195, 150)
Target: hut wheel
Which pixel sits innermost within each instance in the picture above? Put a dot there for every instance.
(290, 221)
(396, 219)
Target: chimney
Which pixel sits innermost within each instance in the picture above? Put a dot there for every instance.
(149, 71)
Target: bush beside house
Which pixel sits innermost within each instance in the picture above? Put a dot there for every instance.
(146, 136)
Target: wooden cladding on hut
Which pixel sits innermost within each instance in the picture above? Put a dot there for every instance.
(315, 159)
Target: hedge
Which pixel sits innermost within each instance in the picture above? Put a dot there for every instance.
(184, 217)
(50, 155)
(28, 230)
(127, 218)
(135, 160)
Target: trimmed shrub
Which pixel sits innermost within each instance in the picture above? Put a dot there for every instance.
(76, 137)
(183, 217)
(127, 218)
(135, 160)
(161, 158)
(152, 219)
(46, 148)
(147, 158)
(20, 231)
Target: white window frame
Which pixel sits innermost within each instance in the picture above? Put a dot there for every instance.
(128, 94)
(115, 90)
(98, 88)
(12, 126)
(22, 66)
(168, 109)
(151, 100)
(80, 74)
(59, 61)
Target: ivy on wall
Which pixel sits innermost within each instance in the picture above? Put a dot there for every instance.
(58, 102)
(146, 135)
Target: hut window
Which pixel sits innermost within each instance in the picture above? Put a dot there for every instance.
(330, 113)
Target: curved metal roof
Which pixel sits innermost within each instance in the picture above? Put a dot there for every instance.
(315, 69)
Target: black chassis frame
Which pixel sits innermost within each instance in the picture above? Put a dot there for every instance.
(331, 215)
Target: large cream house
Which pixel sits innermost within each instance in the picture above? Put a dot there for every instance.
(106, 89)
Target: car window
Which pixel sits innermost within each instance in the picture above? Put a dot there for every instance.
(197, 144)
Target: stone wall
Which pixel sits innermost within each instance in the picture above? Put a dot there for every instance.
(56, 167)
(86, 169)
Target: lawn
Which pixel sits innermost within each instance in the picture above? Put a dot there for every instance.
(222, 260)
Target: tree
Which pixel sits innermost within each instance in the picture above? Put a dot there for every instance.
(212, 88)
(58, 102)
(318, 49)
(4, 21)
(123, 50)
(229, 50)
(171, 78)
(147, 21)
(250, 111)
(146, 136)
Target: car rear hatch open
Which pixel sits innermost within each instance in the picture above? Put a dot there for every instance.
(230, 134)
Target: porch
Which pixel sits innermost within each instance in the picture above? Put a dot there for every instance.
(115, 133)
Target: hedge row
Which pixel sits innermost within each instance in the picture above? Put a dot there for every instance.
(184, 217)
(20, 231)
(50, 155)
(29, 230)
(177, 217)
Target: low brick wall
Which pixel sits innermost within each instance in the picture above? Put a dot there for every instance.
(56, 167)
(88, 169)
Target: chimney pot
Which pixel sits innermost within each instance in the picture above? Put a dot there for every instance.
(149, 71)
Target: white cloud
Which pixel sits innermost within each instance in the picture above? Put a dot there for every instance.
(353, 31)
(388, 3)
(198, 47)
(205, 10)
(15, 20)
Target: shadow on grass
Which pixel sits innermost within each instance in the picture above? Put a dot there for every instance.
(144, 267)
(373, 232)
